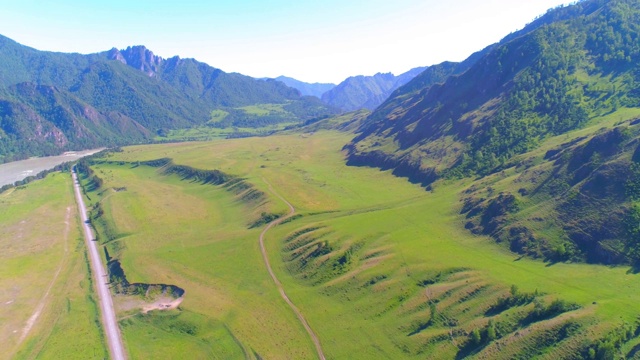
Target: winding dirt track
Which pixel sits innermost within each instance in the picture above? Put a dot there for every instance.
(298, 313)
(111, 330)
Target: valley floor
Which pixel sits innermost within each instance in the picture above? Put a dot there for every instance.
(379, 267)
(47, 306)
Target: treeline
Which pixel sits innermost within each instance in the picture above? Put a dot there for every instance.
(121, 285)
(94, 181)
(214, 177)
(240, 118)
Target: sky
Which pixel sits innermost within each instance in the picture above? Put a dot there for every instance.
(310, 40)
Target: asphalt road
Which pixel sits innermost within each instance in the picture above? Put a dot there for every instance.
(111, 330)
(284, 296)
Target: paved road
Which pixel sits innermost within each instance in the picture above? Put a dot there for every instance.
(297, 311)
(109, 322)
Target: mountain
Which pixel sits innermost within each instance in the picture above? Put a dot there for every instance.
(544, 121)
(366, 92)
(42, 119)
(314, 89)
(123, 90)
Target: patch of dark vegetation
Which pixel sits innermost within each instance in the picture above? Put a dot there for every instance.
(488, 214)
(515, 298)
(418, 326)
(472, 206)
(440, 276)
(495, 211)
(105, 233)
(155, 163)
(311, 255)
(265, 218)
(301, 232)
(246, 191)
(478, 339)
(542, 312)
(296, 243)
(373, 254)
(548, 338)
(292, 218)
(212, 177)
(610, 345)
(121, 285)
(175, 322)
(473, 293)
(183, 327)
(237, 186)
(92, 181)
(375, 279)
(307, 248)
(540, 340)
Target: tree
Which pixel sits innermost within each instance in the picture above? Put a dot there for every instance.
(491, 331)
(475, 337)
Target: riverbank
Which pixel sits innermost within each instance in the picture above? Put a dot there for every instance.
(19, 170)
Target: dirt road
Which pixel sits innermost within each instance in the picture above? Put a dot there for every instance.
(298, 313)
(111, 330)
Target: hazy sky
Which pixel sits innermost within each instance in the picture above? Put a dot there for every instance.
(311, 40)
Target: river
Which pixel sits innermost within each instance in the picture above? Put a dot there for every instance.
(19, 170)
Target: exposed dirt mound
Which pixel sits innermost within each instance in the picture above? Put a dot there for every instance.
(149, 296)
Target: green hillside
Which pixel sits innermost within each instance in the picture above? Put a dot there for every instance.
(566, 71)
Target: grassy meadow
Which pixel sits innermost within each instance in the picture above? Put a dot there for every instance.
(206, 133)
(380, 267)
(47, 308)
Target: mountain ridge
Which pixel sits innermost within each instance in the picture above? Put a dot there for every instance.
(134, 86)
(367, 92)
(305, 88)
(570, 70)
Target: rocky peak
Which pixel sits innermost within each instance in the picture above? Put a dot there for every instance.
(138, 57)
(115, 54)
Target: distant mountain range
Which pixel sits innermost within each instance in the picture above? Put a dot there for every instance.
(52, 102)
(356, 92)
(310, 89)
(366, 92)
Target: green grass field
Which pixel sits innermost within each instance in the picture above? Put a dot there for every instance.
(370, 261)
(212, 132)
(47, 309)
(206, 133)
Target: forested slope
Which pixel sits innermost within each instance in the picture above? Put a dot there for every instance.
(513, 112)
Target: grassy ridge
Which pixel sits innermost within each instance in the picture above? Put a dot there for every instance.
(42, 250)
(394, 271)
